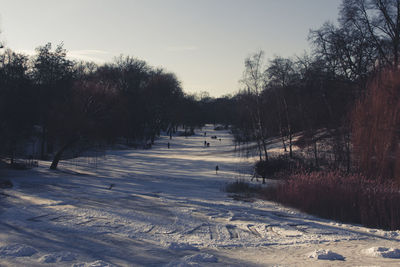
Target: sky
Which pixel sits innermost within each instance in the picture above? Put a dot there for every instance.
(204, 42)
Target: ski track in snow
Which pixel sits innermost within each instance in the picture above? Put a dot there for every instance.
(165, 207)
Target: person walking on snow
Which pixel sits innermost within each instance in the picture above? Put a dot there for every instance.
(216, 169)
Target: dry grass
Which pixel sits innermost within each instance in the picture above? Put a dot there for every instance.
(346, 198)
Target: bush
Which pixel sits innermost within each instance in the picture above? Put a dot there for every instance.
(280, 167)
(240, 186)
(376, 127)
(347, 198)
(242, 190)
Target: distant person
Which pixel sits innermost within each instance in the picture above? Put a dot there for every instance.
(168, 144)
(205, 143)
(216, 169)
(205, 133)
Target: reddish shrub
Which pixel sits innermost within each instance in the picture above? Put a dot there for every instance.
(346, 198)
(376, 128)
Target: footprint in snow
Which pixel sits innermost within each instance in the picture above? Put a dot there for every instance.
(57, 257)
(98, 263)
(17, 250)
(194, 260)
(232, 231)
(180, 246)
(391, 234)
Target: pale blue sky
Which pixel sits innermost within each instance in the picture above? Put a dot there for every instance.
(204, 42)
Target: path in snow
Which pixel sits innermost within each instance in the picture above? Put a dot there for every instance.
(165, 207)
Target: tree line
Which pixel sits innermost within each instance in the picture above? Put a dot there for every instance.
(323, 96)
(340, 105)
(330, 96)
(61, 103)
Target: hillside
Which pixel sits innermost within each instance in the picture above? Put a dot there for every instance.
(165, 206)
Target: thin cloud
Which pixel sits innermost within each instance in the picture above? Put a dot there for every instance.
(182, 48)
(25, 52)
(97, 56)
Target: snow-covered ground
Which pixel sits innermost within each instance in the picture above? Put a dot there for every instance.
(165, 207)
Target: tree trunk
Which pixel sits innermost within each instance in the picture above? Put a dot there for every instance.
(265, 149)
(290, 144)
(59, 153)
(259, 149)
(261, 131)
(12, 158)
(43, 144)
(316, 153)
(289, 126)
(348, 152)
(283, 141)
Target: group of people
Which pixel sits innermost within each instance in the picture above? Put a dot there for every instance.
(206, 144)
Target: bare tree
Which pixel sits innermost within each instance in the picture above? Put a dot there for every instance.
(380, 21)
(52, 73)
(16, 102)
(254, 80)
(281, 73)
(347, 53)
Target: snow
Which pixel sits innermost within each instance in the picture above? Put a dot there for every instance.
(180, 246)
(384, 252)
(165, 207)
(17, 250)
(57, 257)
(194, 260)
(98, 263)
(325, 254)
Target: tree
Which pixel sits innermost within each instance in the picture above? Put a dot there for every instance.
(254, 80)
(161, 97)
(379, 20)
(130, 76)
(347, 53)
(88, 115)
(53, 76)
(281, 74)
(17, 112)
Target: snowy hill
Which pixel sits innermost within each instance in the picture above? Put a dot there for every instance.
(164, 206)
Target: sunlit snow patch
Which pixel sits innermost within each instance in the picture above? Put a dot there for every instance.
(98, 263)
(200, 259)
(325, 254)
(383, 252)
